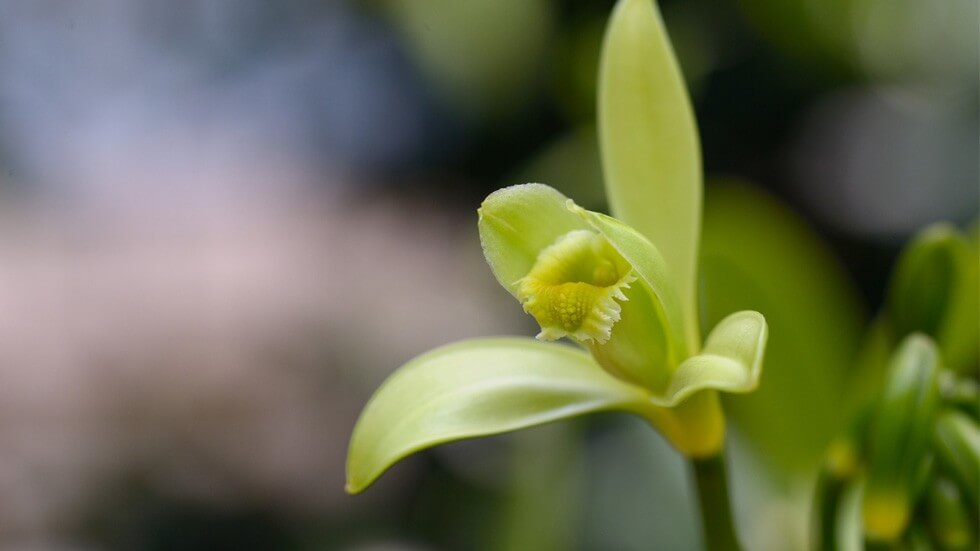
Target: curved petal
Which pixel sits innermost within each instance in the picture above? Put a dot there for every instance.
(477, 388)
(934, 289)
(516, 223)
(731, 360)
(648, 139)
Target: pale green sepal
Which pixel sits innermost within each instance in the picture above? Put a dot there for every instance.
(648, 140)
(516, 223)
(477, 388)
(731, 360)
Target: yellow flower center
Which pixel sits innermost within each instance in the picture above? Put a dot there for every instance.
(573, 287)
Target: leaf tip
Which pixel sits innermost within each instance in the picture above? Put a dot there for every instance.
(351, 489)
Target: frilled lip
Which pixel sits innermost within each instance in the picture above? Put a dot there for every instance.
(575, 288)
(517, 223)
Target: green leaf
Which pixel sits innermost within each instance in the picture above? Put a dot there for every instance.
(900, 436)
(934, 289)
(649, 144)
(949, 518)
(849, 531)
(757, 254)
(957, 444)
(828, 502)
(478, 388)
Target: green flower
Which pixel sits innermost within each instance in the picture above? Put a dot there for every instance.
(575, 286)
(622, 290)
(596, 281)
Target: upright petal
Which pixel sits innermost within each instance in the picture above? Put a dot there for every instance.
(648, 138)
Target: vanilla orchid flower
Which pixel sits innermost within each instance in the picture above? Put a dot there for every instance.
(623, 290)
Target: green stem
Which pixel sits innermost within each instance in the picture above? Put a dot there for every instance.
(718, 525)
(830, 491)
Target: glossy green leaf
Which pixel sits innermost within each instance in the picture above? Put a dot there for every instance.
(900, 435)
(934, 289)
(649, 144)
(957, 444)
(478, 388)
(950, 520)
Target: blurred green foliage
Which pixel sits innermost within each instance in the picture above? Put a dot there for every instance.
(757, 254)
(907, 40)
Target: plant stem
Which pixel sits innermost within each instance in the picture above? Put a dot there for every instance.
(718, 525)
(830, 492)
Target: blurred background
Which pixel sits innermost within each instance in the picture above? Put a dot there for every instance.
(224, 222)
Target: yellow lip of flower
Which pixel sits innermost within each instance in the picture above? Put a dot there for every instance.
(573, 288)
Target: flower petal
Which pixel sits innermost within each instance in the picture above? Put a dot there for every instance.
(731, 360)
(650, 267)
(648, 139)
(516, 223)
